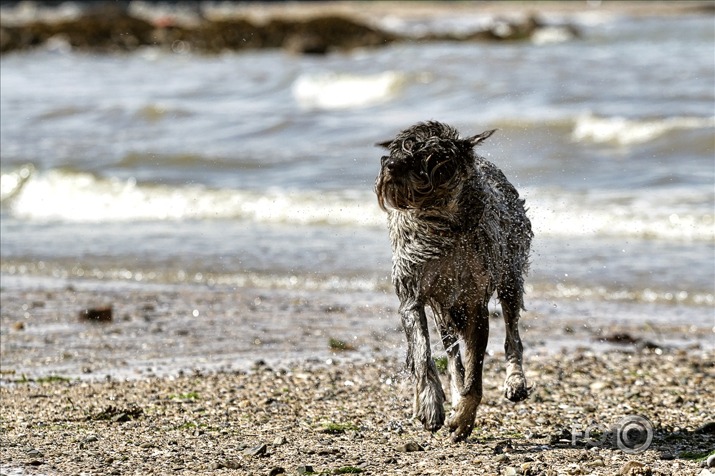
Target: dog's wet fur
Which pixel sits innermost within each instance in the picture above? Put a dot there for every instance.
(459, 233)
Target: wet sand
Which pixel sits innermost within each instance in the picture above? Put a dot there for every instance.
(160, 330)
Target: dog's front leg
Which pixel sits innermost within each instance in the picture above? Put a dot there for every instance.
(476, 336)
(429, 395)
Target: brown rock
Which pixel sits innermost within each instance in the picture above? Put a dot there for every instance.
(410, 447)
(96, 314)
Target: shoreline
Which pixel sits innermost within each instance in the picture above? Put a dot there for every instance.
(315, 28)
(162, 330)
(366, 10)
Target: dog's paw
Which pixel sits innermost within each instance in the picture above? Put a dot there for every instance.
(429, 405)
(515, 388)
(461, 421)
(432, 419)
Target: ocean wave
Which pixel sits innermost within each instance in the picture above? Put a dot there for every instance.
(345, 91)
(623, 132)
(82, 197)
(58, 195)
(680, 215)
(11, 182)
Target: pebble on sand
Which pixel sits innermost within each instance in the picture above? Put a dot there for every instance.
(96, 314)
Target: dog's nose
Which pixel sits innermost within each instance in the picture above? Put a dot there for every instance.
(391, 165)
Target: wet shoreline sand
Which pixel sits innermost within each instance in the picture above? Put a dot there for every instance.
(195, 380)
(162, 329)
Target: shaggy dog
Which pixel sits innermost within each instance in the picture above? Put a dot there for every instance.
(459, 234)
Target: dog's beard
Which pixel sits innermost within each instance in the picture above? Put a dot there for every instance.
(433, 186)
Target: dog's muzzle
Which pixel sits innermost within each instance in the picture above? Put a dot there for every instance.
(388, 186)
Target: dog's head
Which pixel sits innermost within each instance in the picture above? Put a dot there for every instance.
(426, 165)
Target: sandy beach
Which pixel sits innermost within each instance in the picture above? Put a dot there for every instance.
(187, 380)
(355, 418)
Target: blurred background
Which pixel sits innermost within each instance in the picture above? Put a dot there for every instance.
(231, 144)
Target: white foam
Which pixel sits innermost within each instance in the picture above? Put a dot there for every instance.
(622, 131)
(81, 197)
(632, 215)
(679, 215)
(344, 91)
(551, 34)
(11, 182)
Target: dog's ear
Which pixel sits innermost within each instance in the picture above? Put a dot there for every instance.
(385, 144)
(479, 138)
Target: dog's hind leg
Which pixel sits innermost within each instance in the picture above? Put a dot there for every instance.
(476, 335)
(515, 388)
(454, 363)
(429, 395)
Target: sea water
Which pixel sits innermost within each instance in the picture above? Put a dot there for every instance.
(257, 168)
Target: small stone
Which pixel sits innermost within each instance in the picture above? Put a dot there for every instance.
(502, 458)
(90, 439)
(503, 447)
(633, 468)
(96, 314)
(597, 463)
(307, 469)
(410, 447)
(510, 471)
(599, 385)
(667, 456)
(280, 440)
(276, 471)
(34, 453)
(120, 417)
(705, 472)
(258, 450)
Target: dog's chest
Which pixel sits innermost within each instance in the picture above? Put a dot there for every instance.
(418, 241)
(435, 260)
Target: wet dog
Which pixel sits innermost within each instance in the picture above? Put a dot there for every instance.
(459, 233)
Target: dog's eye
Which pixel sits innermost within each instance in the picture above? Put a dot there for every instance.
(432, 160)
